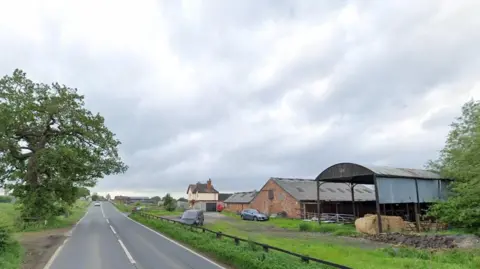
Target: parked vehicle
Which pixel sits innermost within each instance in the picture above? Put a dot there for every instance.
(193, 217)
(253, 214)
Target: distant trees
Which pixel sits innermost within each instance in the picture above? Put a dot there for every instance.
(169, 203)
(95, 197)
(182, 199)
(460, 160)
(50, 144)
(156, 199)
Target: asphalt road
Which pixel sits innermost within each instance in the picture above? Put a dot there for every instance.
(106, 239)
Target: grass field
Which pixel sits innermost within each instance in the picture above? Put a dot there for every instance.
(354, 252)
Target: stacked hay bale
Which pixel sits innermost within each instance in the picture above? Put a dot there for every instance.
(368, 224)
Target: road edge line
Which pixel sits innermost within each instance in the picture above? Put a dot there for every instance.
(59, 248)
(172, 241)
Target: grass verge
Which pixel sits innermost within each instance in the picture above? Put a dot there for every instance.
(342, 252)
(243, 256)
(11, 256)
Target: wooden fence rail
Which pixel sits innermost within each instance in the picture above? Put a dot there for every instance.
(237, 241)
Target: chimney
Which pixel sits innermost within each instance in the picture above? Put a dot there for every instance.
(209, 184)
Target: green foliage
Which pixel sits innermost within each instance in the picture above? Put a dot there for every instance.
(82, 192)
(5, 199)
(243, 256)
(182, 199)
(460, 160)
(169, 203)
(95, 197)
(11, 256)
(156, 199)
(50, 144)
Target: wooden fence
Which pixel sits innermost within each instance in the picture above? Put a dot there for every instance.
(237, 241)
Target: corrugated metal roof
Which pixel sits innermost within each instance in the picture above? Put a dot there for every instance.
(402, 172)
(241, 197)
(305, 190)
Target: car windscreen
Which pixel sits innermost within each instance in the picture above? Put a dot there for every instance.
(189, 215)
(253, 211)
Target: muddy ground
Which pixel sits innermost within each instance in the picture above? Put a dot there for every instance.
(40, 246)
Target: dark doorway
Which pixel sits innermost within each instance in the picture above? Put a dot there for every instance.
(211, 207)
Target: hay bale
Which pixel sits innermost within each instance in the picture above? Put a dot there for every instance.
(368, 224)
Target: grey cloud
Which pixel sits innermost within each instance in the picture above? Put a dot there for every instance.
(377, 78)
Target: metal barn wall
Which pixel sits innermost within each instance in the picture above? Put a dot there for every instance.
(396, 190)
(399, 190)
(428, 190)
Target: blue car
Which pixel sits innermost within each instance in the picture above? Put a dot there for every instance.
(253, 214)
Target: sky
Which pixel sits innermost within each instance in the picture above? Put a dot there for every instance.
(240, 91)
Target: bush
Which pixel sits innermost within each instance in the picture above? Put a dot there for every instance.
(305, 227)
(6, 229)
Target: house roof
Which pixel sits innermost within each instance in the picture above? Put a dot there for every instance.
(305, 190)
(223, 196)
(241, 197)
(201, 188)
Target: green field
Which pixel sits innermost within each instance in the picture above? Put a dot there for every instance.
(354, 252)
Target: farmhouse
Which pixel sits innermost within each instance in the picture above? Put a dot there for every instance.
(297, 198)
(203, 196)
(239, 201)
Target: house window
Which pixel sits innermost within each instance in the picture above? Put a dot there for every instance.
(270, 194)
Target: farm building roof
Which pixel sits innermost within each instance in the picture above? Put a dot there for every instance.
(223, 196)
(306, 190)
(364, 174)
(241, 197)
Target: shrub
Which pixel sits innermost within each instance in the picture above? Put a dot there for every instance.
(305, 227)
(6, 229)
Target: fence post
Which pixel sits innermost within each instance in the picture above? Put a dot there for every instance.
(219, 235)
(265, 248)
(237, 242)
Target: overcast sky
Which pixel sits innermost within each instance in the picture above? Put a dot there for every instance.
(239, 91)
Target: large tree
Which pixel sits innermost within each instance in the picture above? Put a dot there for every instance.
(460, 160)
(50, 144)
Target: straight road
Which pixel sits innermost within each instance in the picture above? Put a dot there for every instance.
(106, 239)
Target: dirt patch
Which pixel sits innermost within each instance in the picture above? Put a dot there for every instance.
(40, 246)
(427, 241)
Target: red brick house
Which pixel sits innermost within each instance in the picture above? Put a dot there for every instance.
(297, 198)
(239, 201)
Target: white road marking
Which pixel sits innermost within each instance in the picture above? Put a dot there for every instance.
(172, 241)
(113, 230)
(108, 221)
(129, 256)
(103, 213)
(57, 251)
